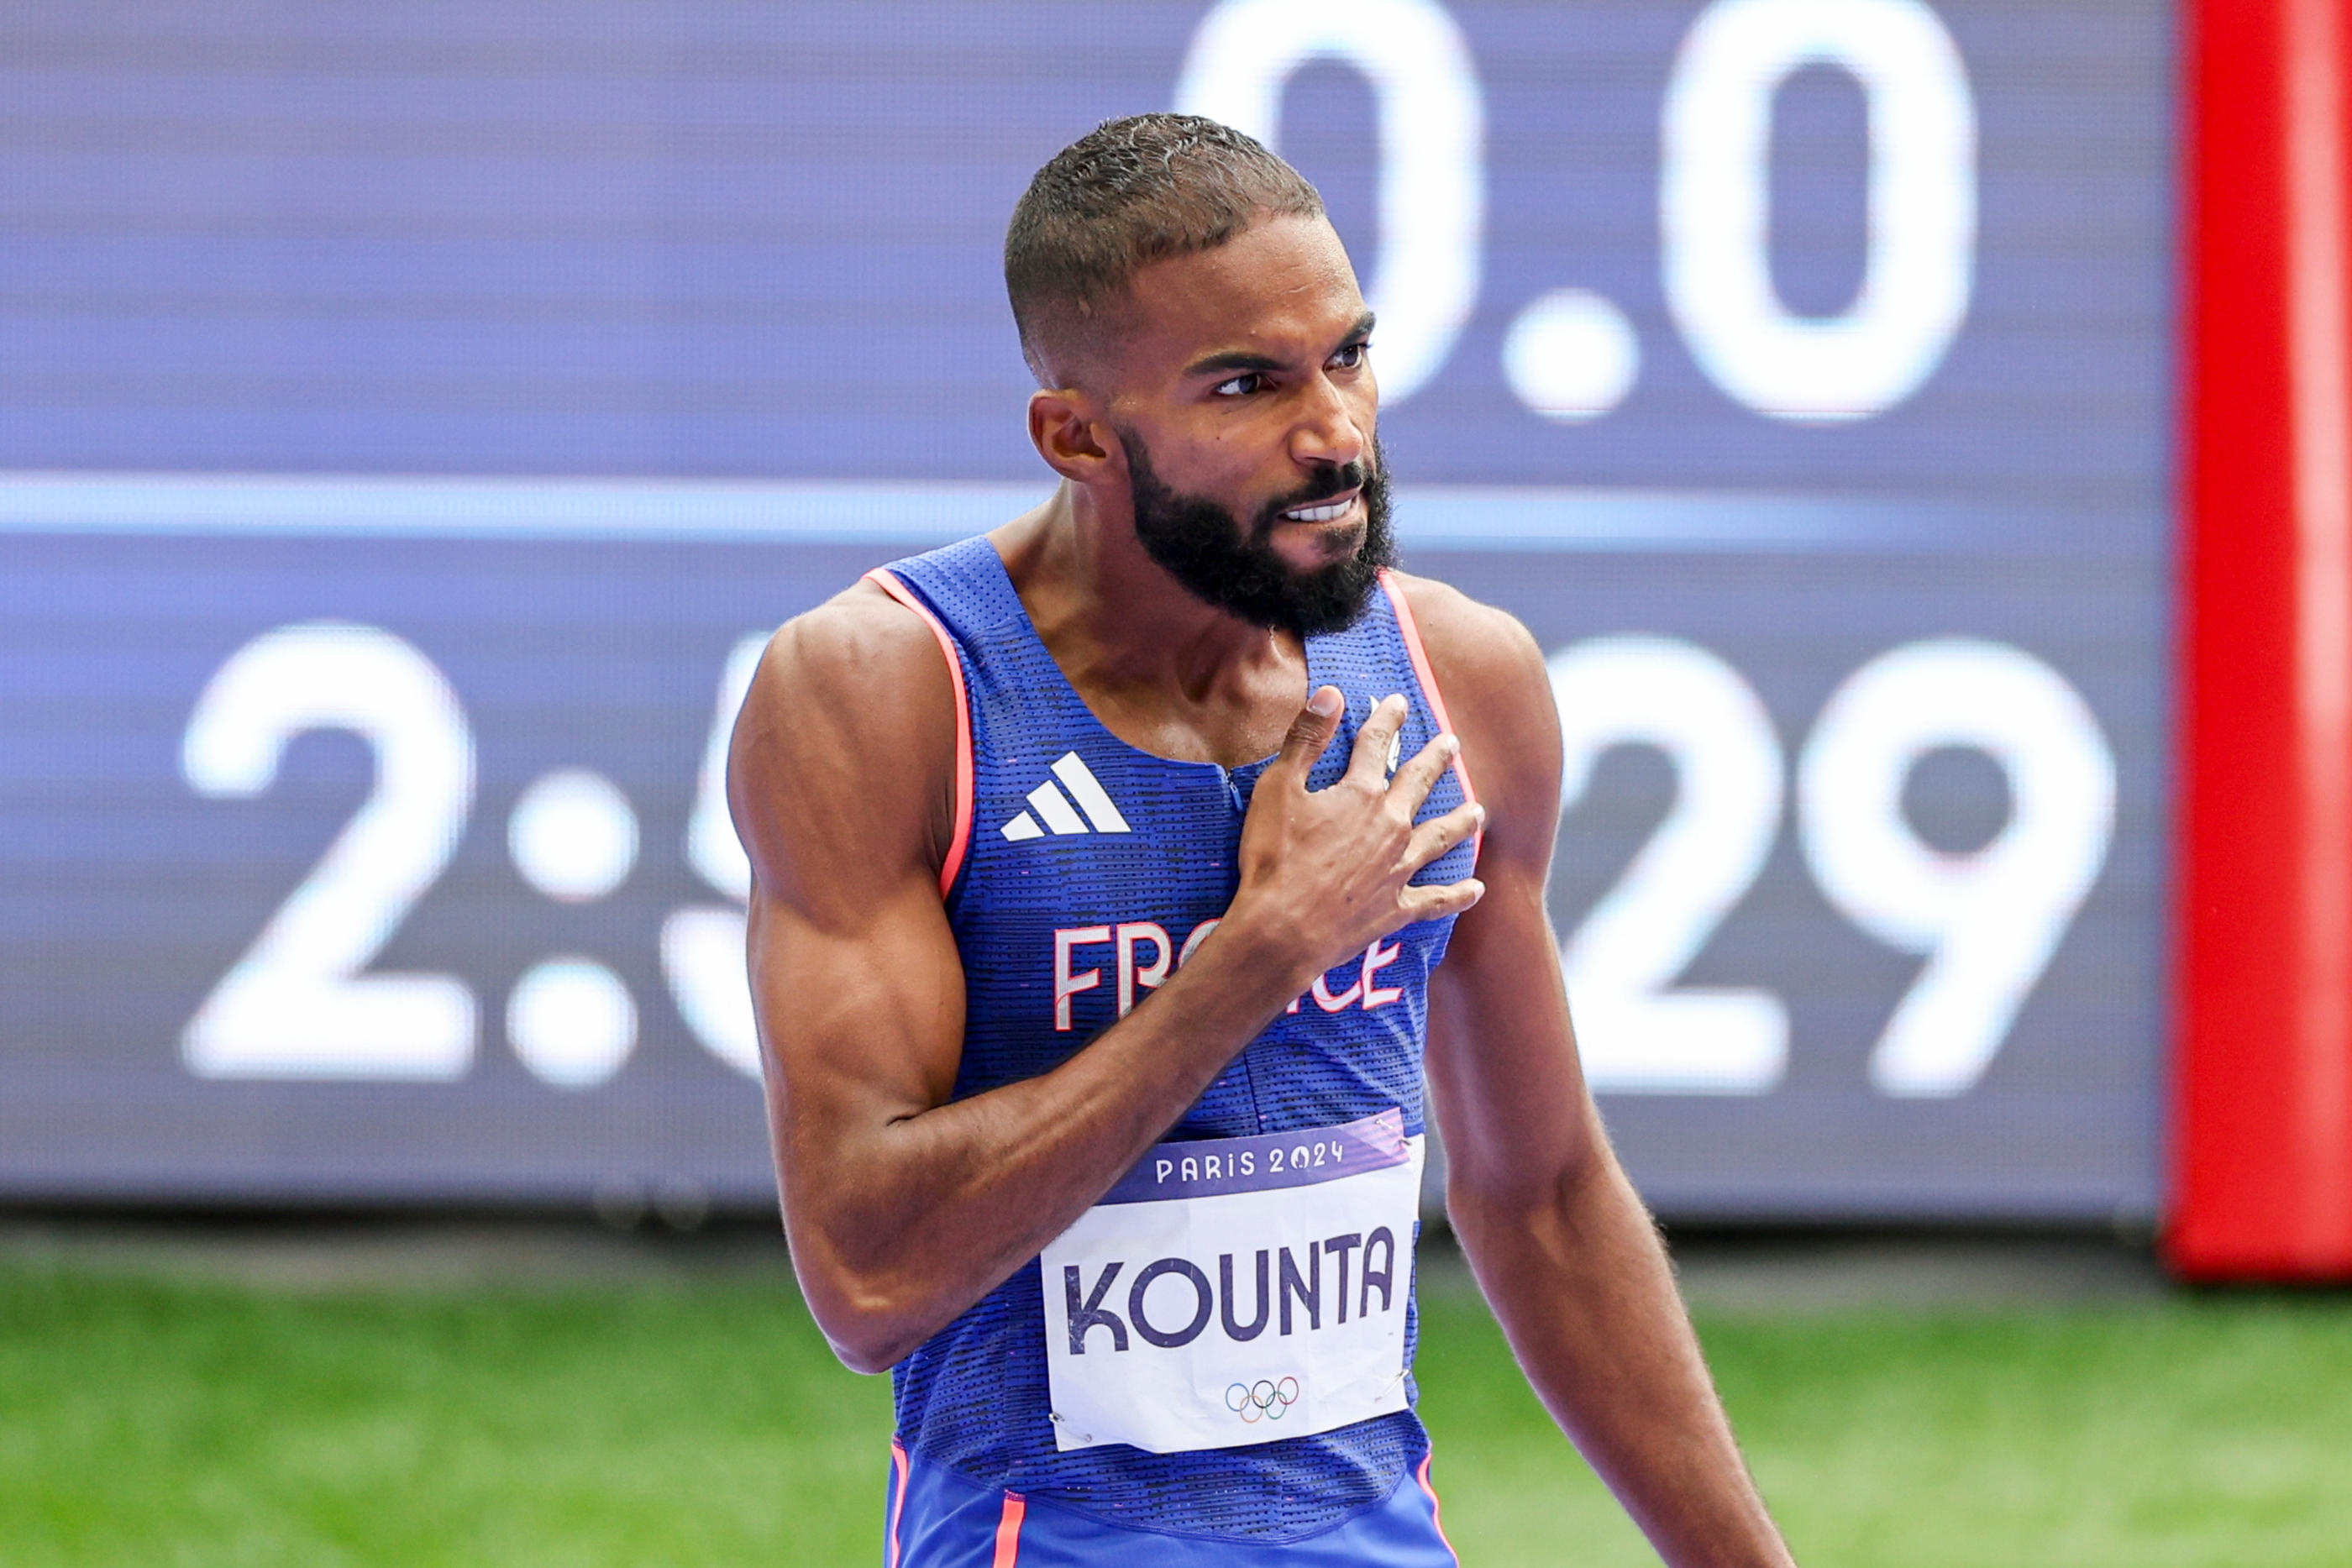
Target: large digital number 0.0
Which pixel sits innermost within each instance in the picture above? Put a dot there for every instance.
(1989, 921)
(1637, 1032)
(1714, 200)
(1432, 183)
(296, 1005)
(702, 947)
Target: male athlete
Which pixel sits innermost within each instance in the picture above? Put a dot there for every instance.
(1103, 868)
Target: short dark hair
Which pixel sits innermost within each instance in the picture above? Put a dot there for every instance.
(1128, 194)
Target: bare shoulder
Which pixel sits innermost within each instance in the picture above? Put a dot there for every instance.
(1477, 640)
(843, 754)
(860, 639)
(1498, 696)
(1486, 662)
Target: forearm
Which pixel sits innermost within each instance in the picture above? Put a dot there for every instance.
(899, 1229)
(1583, 1290)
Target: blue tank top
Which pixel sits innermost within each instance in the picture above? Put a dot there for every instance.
(1082, 872)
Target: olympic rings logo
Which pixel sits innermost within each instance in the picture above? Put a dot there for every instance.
(1263, 1400)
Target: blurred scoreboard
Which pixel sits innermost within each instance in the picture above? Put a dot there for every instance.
(413, 418)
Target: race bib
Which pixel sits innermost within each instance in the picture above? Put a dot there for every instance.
(1236, 1291)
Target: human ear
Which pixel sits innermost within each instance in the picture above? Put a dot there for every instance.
(1062, 427)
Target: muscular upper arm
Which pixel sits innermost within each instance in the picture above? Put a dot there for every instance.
(841, 779)
(1509, 1097)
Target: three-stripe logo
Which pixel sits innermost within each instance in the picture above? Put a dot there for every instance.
(1053, 808)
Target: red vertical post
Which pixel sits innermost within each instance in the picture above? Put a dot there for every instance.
(2262, 1149)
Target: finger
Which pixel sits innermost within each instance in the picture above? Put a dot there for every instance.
(1311, 732)
(1437, 902)
(1439, 834)
(1416, 779)
(1377, 740)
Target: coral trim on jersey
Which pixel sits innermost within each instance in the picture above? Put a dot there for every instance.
(1008, 1530)
(1421, 1475)
(1420, 657)
(889, 582)
(898, 1467)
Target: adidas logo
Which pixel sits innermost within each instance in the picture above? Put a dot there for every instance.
(1054, 807)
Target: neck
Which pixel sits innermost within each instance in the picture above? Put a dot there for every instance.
(1115, 619)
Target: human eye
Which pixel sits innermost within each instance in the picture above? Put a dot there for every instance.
(1352, 356)
(1241, 385)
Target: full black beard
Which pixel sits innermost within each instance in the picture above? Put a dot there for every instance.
(1205, 546)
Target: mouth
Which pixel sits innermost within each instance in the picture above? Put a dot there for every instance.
(1323, 511)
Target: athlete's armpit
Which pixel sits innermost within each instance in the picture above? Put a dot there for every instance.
(1503, 1076)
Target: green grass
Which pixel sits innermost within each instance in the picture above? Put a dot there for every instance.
(150, 1423)
(2214, 1431)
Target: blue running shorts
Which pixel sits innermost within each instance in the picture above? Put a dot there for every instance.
(937, 1519)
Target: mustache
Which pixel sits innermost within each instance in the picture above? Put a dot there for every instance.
(1336, 480)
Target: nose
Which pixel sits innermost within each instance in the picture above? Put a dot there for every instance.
(1331, 428)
